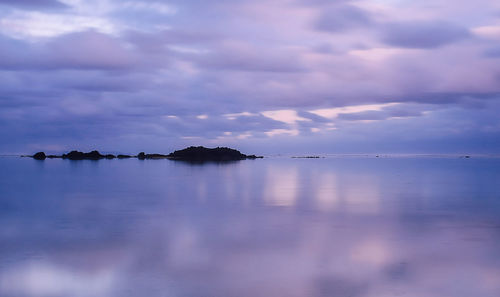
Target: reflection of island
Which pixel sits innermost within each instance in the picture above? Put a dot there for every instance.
(195, 154)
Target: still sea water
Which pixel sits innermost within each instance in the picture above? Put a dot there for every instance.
(336, 226)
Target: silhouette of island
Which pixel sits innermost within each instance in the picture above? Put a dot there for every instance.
(39, 156)
(192, 154)
(142, 156)
(200, 153)
(93, 155)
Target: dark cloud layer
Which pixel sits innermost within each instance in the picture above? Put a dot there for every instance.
(342, 18)
(423, 34)
(143, 75)
(248, 58)
(83, 50)
(33, 4)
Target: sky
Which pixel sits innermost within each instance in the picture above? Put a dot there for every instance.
(262, 76)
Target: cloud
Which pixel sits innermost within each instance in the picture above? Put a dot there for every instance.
(245, 57)
(488, 32)
(373, 115)
(422, 34)
(276, 132)
(83, 50)
(172, 36)
(88, 50)
(332, 113)
(139, 75)
(285, 116)
(33, 4)
(342, 18)
(492, 52)
(157, 7)
(15, 54)
(36, 25)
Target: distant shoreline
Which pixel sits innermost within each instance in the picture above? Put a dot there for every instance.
(321, 156)
(192, 154)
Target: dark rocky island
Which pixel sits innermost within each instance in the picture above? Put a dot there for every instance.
(93, 155)
(76, 155)
(39, 156)
(143, 156)
(191, 154)
(201, 154)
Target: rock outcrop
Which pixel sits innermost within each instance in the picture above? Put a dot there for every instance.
(76, 155)
(192, 154)
(39, 156)
(201, 154)
(143, 156)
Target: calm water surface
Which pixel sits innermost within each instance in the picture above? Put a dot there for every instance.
(335, 227)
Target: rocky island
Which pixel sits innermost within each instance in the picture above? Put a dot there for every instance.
(191, 154)
(75, 155)
(201, 153)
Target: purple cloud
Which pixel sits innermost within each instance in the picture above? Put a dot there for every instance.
(244, 57)
(34, 4)
(342, 18)
(492, 52)
(148, 79)
(82, 50)
(88, 50)
(422, 34)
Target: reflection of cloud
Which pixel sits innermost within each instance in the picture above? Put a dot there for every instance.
(44, 279)
(281, 187)
(326, 191)
(398, 271)
(362, 198)
(168, 240)
(338, 286)
(184, 250)
(371, 252)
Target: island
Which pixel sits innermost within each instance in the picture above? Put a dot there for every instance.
(75, 155)
(143, 156)
(39, 156)
(190, 154)
(200, 153)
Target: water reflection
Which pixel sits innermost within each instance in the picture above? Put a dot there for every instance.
(360, 193)
(355, 227)
(282, 184)
(326, 191)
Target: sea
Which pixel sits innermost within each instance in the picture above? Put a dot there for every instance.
(334, 226)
